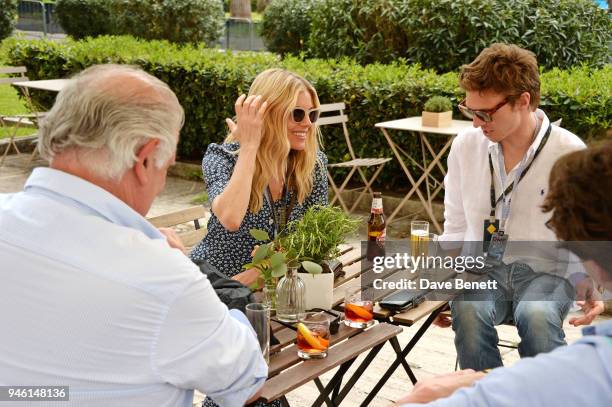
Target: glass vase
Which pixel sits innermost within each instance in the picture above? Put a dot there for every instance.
(269, 294)
(290, 296)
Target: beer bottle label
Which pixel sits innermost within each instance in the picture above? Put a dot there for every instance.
(381, 237)
(375, 233)
(377, 205)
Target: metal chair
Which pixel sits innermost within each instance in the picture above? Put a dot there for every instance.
(19, 121)
(356, 164)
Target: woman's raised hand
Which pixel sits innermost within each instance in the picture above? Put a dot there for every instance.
(250, 113)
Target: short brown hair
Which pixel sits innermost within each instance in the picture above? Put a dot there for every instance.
(506, 69)
(580, 199)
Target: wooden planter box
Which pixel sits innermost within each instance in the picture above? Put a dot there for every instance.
(443, 119)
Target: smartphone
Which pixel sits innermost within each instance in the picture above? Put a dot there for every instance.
(403, 300)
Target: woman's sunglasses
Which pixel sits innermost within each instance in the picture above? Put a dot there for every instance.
(484, 115)
(299, 114)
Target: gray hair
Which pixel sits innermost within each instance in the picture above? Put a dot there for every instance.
(106, 114)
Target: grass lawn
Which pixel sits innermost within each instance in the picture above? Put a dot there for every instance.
(255, 16)
(10, 103)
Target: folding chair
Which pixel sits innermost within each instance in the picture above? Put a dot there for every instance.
(16, 122)
(356, 164)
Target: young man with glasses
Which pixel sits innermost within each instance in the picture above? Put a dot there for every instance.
(496, 182)
(576, 375)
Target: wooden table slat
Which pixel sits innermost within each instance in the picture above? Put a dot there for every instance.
(349, 257)
(311, 369)
(413, 315)
(286, 337)
(352, 271)
(344, 248)
(288, 356)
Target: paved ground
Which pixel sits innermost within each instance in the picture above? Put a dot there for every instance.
(434, 355)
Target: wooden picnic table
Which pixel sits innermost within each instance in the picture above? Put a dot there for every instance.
(288, 372)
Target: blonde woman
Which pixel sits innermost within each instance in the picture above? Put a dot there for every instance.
(268, 171)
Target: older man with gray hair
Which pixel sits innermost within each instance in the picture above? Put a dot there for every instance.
(93, 296)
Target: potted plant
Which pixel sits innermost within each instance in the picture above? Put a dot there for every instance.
(437, 112)
(272, 263)
(315, 239)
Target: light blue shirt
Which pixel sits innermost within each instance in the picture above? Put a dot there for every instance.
(93, 297)
(576, 375)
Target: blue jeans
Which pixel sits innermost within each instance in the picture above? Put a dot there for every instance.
(537, 303)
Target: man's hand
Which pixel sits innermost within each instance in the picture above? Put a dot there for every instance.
(173, 239)
(248, 277)
(250, 113)
(591, 309)
(434, 388)
(443, 321)
(588, 301)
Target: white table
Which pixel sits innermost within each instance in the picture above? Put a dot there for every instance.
(413, 124)
(51, 85)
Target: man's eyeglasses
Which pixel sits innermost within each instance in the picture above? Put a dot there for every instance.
(299, 114)
(484, 115)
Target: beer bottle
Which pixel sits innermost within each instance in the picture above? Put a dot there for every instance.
(377, 228)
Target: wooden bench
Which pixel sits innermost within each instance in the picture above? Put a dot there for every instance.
(188, 235)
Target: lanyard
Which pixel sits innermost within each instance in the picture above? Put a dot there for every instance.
(519, 176)
(280, 215)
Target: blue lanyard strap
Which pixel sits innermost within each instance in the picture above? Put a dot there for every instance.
(519, 177)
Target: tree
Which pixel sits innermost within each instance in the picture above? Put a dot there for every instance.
(262, 4)
(240, 9)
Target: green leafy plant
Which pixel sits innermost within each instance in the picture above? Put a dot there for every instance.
(317, 235)
(179, 21)
(438, 104)
(445, 34)
(86, 18)
(8, 17)
(271, 260)
(286, 25)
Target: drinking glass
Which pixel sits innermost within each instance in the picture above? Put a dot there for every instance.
(312, 335)
(358, 310)
(419, 238)
(259, 317)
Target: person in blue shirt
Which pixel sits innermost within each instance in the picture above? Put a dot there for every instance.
(94, 297)
(576, 375)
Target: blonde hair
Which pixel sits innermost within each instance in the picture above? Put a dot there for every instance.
(275, 159)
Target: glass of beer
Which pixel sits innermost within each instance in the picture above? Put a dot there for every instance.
(312, 335)
(419, 238)
(358, 310)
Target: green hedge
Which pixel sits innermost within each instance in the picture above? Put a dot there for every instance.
(444, 34)
(85, 18)
(180, 21)
(208, 81)
(8, 17)
(286, 25)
